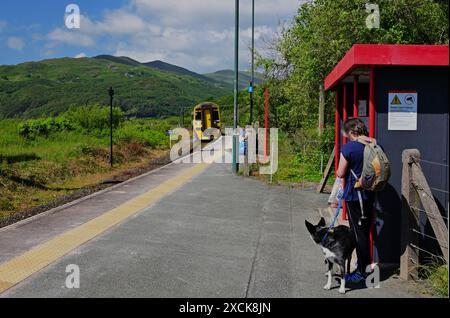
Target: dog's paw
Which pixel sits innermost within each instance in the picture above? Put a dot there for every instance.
(342, 290)
(327, 287)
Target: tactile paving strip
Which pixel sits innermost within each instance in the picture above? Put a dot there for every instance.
(16, 270)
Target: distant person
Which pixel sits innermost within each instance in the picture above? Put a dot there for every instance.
(350, 169)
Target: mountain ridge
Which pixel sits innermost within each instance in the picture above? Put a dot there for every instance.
(50, 87)
(221, 77)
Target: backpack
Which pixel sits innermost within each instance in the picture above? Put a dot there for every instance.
(376, 168)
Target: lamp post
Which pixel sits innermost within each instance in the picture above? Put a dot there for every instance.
(111, 95)
(252, 82)
(236, 87)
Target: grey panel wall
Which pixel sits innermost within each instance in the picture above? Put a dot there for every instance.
(431, 138)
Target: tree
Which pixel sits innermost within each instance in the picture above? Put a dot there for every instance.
(324, 30)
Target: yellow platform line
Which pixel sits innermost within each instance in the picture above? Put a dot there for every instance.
(21, 267)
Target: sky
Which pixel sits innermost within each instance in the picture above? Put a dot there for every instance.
(195, 34)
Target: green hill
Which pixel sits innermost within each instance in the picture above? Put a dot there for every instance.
(50, 87)
(159, 65)
(119, 59)
(223, 78)
(227, 78)
(163, 66)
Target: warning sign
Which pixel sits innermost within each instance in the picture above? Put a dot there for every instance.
(402, 110)
(396, 101)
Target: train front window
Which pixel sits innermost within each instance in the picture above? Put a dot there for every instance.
(215, 116)
(198, 116)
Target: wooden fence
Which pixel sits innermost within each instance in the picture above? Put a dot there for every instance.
(418, 200)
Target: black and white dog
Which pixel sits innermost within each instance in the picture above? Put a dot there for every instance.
(337, 246)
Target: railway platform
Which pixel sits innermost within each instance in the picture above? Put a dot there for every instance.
(185, 230)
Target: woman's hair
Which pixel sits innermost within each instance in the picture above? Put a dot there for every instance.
(356, 126)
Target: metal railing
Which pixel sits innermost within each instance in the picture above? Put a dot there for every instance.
(419, 202)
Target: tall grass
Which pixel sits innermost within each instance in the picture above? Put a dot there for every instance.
(435, 274)
(150, 133)
(49, 139)
(57, 155)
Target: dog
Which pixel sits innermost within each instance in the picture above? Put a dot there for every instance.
(337, 248)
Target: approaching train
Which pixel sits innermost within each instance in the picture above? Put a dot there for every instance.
(205, 116)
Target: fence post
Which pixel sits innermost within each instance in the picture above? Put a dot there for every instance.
(410, 256)
(432, 210)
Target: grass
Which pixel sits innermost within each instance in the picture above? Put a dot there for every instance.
(293, 168)
(435, 275)
(36, 172)
(300, 153)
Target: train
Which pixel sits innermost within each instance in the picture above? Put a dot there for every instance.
(205, 116)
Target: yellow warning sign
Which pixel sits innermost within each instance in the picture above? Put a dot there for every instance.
(396, 101)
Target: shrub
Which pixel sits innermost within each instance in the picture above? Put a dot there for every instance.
(146, 132)
(44, 127)
(95, 118)
(88, 119)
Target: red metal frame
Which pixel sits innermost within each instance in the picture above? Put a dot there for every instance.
(355, 96)
(337, 134)
(344, 118)
(344, 110)
(388, 55)
(372, 103)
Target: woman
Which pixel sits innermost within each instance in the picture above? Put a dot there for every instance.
(350, 168)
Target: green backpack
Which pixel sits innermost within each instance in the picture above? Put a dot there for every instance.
(376, 168)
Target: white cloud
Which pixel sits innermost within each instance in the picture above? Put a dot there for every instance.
(118, 22)
(73, 38)
(214, 13)
(201, 51)
(196, 34)
(80, 55)
(16, 43)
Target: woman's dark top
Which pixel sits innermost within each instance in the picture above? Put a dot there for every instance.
(353, 152)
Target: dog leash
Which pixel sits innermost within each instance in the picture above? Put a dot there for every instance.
(361, 204)
(338, 210)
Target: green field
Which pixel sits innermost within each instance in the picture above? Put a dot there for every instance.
(52, 161)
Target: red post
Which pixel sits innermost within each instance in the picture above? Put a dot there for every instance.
(372, 103)
(345, 117)
(337, 133)
(355, 96)
(344, 111)
(266, 123)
